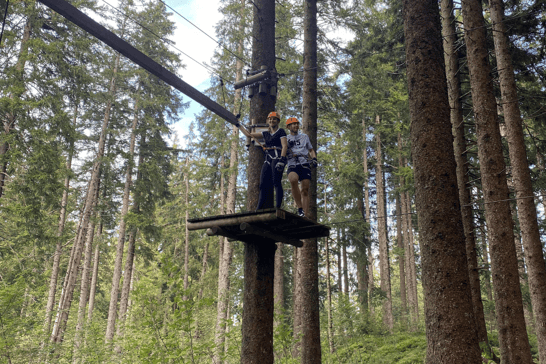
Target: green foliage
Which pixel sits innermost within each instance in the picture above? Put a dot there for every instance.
(398, 348)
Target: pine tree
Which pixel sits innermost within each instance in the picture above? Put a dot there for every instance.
(448, 305)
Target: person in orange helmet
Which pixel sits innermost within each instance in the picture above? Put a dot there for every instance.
(301, 157)
(275, 159)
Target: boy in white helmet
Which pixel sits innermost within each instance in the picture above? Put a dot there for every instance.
(301, 157)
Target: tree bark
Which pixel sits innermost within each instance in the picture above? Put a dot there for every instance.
(257, 325)
(449, 318)
(310, 348)
(527, 212)
(384, 264)
(513, 341)
(454, 93)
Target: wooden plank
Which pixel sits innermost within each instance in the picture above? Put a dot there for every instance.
(229, 221)
(250, 229)
(95, 29)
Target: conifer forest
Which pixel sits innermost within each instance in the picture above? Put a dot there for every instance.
(429, 126)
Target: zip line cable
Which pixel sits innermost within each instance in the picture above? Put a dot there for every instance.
(202, 31)
(4, 22)
(170, 42)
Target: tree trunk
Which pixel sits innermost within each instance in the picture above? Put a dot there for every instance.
(278, 288)
(310, 348)
(527, 212)
(329, 297)
(127, 280)
(84, 289)
(401, 260)
(203, 270)
(454, 93)
(345, 269)
(187, 232)
(114, 291)
(384, 264)
(513, 341)
(95, 277)
(259, 266)
(449, 318)
(411, 259)
(10, 118)
(58, 249)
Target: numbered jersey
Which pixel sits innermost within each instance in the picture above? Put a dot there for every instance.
(298, 149)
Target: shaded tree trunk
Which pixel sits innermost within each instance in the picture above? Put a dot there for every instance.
(401, 260)
(259, 266)
(527, 212)
(310, 348)
(95, 277)
(384, 264)
(513, 341)
(414, 303)
(449, 318)
(454, 93)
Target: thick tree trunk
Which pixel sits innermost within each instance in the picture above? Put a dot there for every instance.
(527, 212)
(514, 344)
(449, 318)
(310, 347)
(114, 291)
(384, 264)
(259, 266)
(454, 93)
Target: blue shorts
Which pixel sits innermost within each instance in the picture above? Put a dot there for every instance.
(302, 170)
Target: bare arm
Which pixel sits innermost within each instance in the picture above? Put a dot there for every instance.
(312, 153)
(249, 134)
(284, 144)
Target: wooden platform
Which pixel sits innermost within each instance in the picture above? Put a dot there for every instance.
(272, 224)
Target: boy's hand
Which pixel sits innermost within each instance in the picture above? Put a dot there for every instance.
(314, 162)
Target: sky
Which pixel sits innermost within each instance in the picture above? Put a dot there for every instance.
(199, 46)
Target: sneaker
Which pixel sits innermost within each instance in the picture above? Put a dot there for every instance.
(301, 213)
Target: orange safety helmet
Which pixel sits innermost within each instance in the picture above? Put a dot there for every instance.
(273, 114)
(291, 121)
